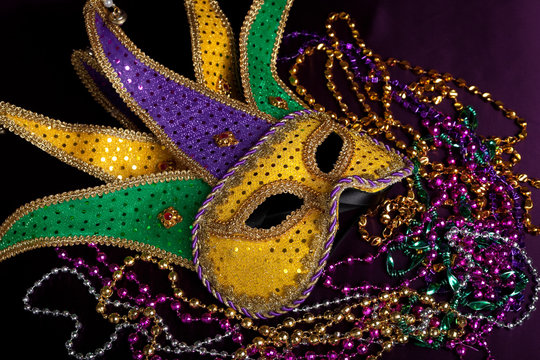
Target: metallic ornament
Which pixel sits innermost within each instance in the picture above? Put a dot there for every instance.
(170, 217)
(224, 139)
(118, 16)
(278, 102)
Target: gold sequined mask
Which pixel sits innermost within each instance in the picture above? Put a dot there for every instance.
(266, 265)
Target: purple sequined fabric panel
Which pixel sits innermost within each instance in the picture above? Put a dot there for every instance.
(108, 91)
(189, 118)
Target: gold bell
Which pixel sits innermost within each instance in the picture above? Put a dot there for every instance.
(118, 16)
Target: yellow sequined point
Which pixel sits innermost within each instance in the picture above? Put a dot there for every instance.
(214, 53)
(106, 153)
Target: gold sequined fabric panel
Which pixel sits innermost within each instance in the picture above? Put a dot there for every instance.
(109, 154)
(213, 46)
(276, 264)
(372, 161)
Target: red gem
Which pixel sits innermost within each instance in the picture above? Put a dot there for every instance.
(223, 135)
(167, 216)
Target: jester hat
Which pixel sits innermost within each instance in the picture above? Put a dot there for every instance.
(242, 158)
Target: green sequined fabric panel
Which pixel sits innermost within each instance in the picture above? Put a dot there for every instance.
(260, 44)
(127, 214)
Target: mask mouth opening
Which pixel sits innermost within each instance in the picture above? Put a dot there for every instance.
(274, 210)
(327, 153)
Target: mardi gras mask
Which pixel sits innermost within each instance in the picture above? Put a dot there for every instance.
(266, 267)
(259, 261)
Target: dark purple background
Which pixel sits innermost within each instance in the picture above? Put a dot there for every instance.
(492, 46)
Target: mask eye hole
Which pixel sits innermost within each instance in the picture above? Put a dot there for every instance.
(327, 153)
(274, 210)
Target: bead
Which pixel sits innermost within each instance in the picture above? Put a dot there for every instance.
(283, 336)
(264, 330)
(314, 339)
(289, 322)
(247, 323)
(206, 318)
(186, 318)
(295, 339)
(100, 308)
(133, 314)
(114, 318)
(461, 322)
(117, 275)
(230, 313)
(106, 292)
(129, 261)
(387, 345)
(148, 350)
(240, 354)
(156, 330)
(258, 342)
(173, 276)
(194, 303)
(149, 312)
(309, 318)
(270, 352)
(403, 338)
